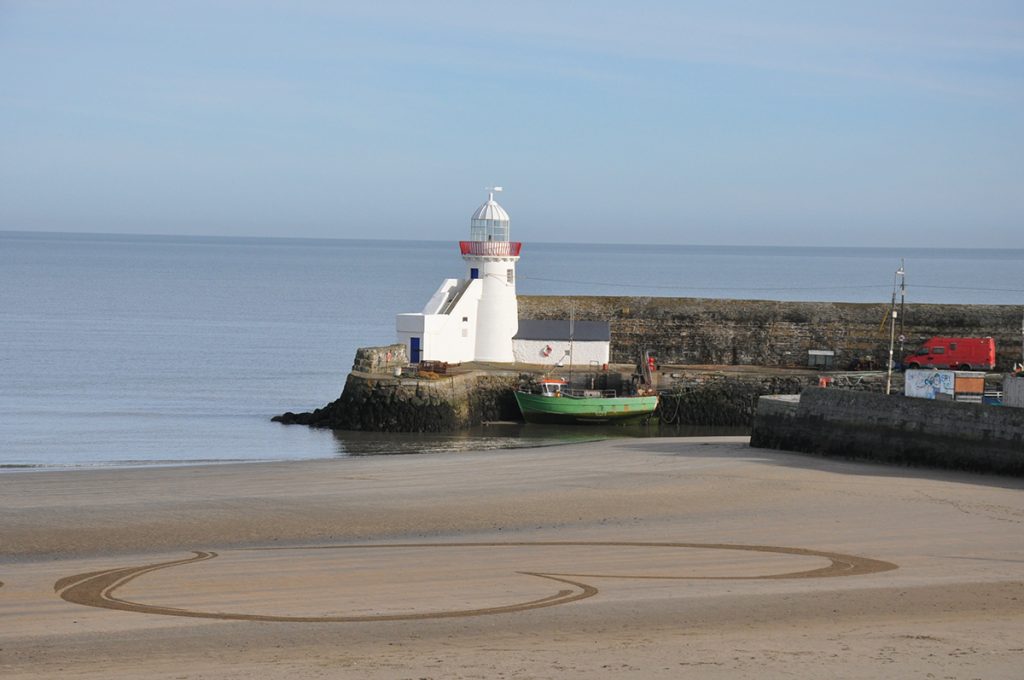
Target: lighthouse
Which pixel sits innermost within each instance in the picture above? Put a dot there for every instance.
(473, 318)
(492, 258)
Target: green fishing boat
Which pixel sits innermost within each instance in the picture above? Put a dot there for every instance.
(556, 403)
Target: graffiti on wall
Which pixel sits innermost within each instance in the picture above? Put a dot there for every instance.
(928, 384)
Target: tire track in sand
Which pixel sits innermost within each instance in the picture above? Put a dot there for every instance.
(96, 589)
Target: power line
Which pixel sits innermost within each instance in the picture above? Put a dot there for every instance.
(640, 285)
(755, 288)
(990, 290)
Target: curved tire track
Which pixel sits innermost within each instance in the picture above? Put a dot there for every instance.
(96, 589)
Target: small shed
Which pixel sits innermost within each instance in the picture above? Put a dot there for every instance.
(824, 359)
(555, 341)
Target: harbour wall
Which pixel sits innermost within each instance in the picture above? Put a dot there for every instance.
(679, 331)
(893, 429)
(445, 404)
(712, 398)
(374, 399)
(773, 333)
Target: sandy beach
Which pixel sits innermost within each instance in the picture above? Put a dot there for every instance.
(644, 558)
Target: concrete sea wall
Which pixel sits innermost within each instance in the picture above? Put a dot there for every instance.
(893, 429)
(772, 333)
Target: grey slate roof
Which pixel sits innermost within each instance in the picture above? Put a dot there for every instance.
(558, 329)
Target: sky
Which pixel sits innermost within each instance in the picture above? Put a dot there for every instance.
(716, 123)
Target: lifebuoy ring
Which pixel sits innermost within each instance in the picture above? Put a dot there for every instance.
(546, 351)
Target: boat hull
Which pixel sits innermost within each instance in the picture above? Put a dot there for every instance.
(537, 408)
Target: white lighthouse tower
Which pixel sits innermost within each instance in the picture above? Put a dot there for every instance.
(492, 258)
(471, 319)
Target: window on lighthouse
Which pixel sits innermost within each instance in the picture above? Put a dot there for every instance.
(510, 275)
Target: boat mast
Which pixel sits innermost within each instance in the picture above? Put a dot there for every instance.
(572, 323)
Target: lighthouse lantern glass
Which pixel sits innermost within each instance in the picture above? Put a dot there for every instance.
(488, 230)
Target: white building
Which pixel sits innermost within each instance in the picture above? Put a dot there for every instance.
(471, 319)
(561, 342)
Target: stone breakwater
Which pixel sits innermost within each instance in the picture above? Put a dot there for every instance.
(772, 333)
(375, 401)
(413, 405)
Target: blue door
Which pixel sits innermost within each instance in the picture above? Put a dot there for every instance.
(414, 350)
(474, 273)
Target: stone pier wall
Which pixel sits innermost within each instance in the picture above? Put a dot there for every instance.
(389, 404)
(714, 399)
(771, 333)
(894, 429)
(723, 400)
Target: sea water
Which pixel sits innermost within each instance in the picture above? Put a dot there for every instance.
(128, 350)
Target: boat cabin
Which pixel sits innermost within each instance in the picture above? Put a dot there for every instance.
(552, 387)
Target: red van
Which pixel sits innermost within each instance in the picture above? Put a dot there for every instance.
(966, 354)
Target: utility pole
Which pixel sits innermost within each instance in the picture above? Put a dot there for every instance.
(903, 300)
(892, 324)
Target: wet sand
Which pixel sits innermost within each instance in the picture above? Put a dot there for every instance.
(651, 558)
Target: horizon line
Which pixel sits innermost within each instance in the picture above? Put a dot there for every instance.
(213, 237)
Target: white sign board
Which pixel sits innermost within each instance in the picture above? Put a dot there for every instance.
(926, 383)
